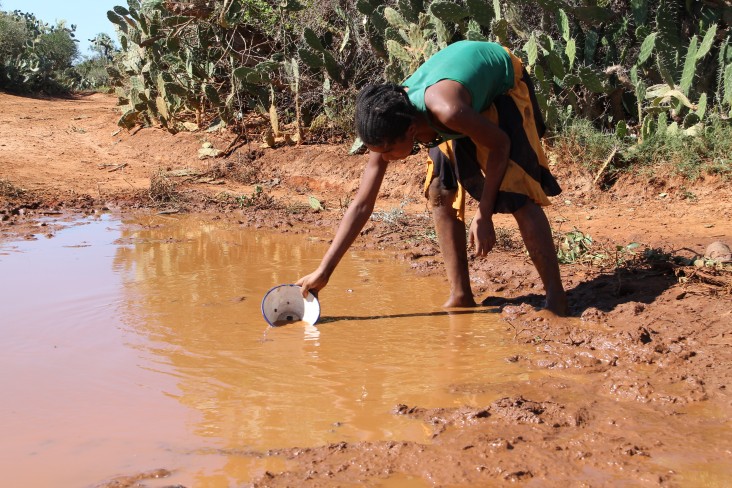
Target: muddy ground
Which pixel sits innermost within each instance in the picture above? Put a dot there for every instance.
(638, 390)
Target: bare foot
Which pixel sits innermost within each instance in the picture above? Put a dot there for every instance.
(557, 305)
(462, 301)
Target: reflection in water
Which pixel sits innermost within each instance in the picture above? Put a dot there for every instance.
(172, 329)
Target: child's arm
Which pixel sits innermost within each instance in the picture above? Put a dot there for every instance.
(353, 221)
(450, 103)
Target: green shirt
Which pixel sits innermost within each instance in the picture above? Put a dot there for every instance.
(483, 68)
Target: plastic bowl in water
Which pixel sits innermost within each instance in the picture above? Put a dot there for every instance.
(284, 304)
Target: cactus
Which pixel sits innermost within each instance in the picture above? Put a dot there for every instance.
(727, 97)
(410, 9)
(564, 25)
(480, 12)
(175, 70)
(447, 11)
(321, 58)
(687, 75)
(310, 58)
(366, 7)
(395, 19)
(169, 73)
(293, 73)
(646, 49)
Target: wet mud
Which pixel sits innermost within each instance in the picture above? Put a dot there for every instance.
(631, 390)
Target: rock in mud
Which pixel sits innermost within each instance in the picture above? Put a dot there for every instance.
(719, 251)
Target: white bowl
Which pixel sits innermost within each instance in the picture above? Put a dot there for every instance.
(284, 303)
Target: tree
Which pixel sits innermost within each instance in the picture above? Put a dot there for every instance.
(33, 55)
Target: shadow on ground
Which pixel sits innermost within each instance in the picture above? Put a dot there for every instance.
(603, 292)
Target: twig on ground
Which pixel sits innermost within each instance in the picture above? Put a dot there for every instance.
(114, 167)
(605, 164)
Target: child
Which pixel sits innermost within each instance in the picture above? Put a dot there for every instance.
(473, 105)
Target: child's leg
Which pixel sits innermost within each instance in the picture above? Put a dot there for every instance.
(537, 235)
(453, 245)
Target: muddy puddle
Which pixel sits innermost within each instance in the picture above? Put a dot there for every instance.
(135, 345)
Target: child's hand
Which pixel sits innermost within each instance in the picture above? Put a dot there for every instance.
(313, 282)
(482, 235)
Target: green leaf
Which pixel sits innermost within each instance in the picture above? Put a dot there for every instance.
(121, 10)
(707, 42)
(331, 66)
(593, 15)
(315, 204)
(531, 50)
(499, 28)
(728, 84)
(395, 19)
(665, 73)
(592, 80)
(564, 25)
(116, 19)
(312, 39)
(378, 20)
(269, 66)
(357, 147)
(571, 51)
(447, 11)
(701, 106)
(640, 11)
(476, 35)
(365, 7)
(662, 123)
(687, 75)
(480, 12)
(397, 51)
(411, 9)
(176, 89)
(212, 95)
(248, 75)
(646, 48)
(310, 58)
(591, 39)
(621, 130)
(556, 64)
(570, 80)
(663, 94)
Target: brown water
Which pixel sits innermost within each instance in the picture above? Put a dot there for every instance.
(137, 345)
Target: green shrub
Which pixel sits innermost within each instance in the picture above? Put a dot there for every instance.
(33, 55)
(685, 155)
(578, 140)
(92, 72)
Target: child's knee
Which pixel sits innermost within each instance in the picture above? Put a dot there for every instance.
(438, 196)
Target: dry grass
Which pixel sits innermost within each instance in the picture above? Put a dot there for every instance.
(162, 188)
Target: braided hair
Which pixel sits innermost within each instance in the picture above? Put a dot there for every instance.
(383, 114)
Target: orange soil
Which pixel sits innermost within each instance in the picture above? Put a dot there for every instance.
(652, 345)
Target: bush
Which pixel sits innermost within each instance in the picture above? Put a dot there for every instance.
(579, 140)
(685, 155)
(33, 55)
(92, 72)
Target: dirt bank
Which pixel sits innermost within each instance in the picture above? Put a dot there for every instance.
(638, 387)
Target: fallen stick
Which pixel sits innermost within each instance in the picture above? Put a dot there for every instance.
(118, 167)
(607, 161)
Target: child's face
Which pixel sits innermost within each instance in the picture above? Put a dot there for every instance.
(394, 151)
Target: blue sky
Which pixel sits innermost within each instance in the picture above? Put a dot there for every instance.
(90, 16)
